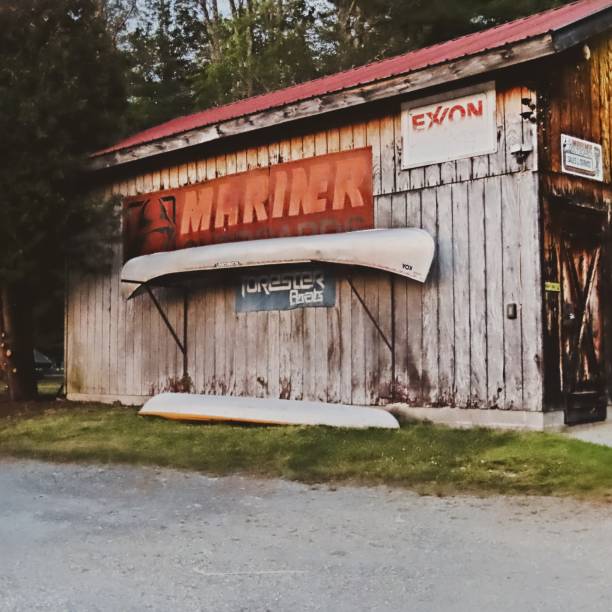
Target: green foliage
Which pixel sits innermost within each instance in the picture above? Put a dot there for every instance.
(264, 47)
(359, 31)
(187, 55)
(61, 90)
(61, 95)
(63, 65)
(423, 457)
(160, 52)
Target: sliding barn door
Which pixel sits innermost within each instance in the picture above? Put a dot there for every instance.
(581, 243)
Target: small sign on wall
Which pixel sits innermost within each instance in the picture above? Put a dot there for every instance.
(581, 158)
(286, 289)
(450, 126)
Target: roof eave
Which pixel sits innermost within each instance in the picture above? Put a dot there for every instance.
(429, 76)
(575, 33)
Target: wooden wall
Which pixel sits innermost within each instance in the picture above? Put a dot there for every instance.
(455, 346)
(575, 100)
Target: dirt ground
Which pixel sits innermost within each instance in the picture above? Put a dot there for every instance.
(118, 538)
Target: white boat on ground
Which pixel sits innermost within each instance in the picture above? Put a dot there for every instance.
(192, 407)
(407, 252)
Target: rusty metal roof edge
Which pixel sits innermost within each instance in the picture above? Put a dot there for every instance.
(563, 37)
(109, 160)
(575, 33)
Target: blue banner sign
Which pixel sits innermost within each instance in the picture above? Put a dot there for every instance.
(286, 289)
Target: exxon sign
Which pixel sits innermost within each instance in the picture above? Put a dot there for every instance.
(448, 127)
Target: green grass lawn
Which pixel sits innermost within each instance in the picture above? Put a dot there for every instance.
(426, 458)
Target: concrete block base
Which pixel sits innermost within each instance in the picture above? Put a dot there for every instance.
(473, 417)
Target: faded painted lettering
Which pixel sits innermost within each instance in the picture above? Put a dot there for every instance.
(326, 194)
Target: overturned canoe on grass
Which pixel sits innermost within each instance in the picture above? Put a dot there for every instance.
(192, 407)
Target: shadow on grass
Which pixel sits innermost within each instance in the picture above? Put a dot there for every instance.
(48, 390)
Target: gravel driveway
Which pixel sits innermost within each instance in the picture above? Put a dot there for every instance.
(117, 538)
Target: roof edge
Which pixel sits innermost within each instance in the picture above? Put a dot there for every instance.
(575, 33)
(430, 76)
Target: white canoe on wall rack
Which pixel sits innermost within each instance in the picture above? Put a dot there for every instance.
(192, 407)
(407, 252)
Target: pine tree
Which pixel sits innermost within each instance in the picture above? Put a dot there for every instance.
(61, 91)
(260, 46)
(355, 32)
(161, 52)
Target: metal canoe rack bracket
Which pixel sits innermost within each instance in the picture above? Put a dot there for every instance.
(390, 342)
(181, 344)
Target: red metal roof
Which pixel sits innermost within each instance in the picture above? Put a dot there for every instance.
(512, 32)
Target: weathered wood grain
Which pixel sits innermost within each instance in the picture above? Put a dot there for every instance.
(478, 292)
(480, 166)
(453, 343)
(321, 354)
(433, 175)
(297, 353)
(461, 268)
(358, 343)
(522, 51)
(387, 155)
(333, 140)
(273, 374)
(345, 315)
(381, 287)
(310, 363)
(326, 320)
(495, 292)
(446, 302)
(262, 362)
(402, 177)
(373, 140)
(414, 315)
(604, 58)
(531, 291)
(372, 342)
(511, 258)
(232, 342)
(220, 377)
(194, 338)
(513, 127)
(430, 341)
(284, 354)
(497, 160)
(335, 360)
(448, 172)
(400, 313)
(209, 344)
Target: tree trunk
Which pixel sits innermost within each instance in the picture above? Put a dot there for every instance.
(250, 84)
(17, 352)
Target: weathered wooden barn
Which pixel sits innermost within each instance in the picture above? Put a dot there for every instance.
(496, 143)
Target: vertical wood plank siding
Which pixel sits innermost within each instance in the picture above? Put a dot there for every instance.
(454, 344)
(576, 101)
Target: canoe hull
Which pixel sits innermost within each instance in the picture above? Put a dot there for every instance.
(407, 252)
(192, 407)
